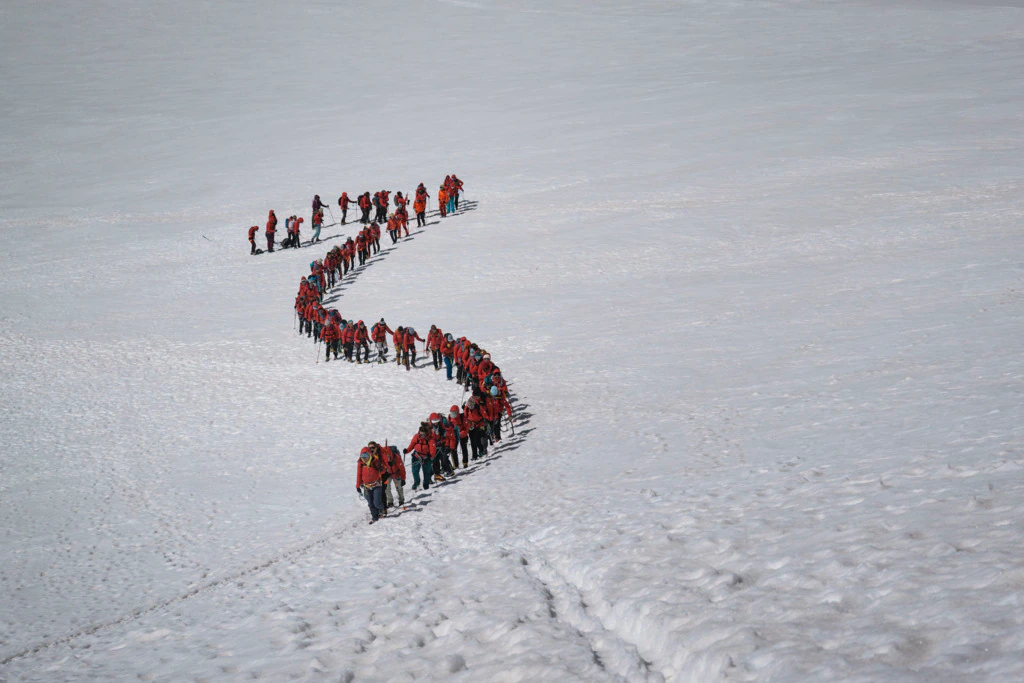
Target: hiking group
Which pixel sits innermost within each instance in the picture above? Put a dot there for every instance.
(434, 449)
(379, 203)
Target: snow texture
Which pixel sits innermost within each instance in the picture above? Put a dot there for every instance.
(753, 270)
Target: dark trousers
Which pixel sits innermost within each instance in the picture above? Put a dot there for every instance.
(344, 214)
(421, 219)
(465, 455)
(363, 347)
(436, 353)
(253, 243)
(270, 241)
(478, 442)
(375, 500)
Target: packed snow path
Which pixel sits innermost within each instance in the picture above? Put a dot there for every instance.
(755, 265)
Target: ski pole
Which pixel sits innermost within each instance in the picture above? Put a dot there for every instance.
(332, 214)
(317, 353)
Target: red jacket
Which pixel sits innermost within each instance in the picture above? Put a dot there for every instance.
(379, 332)
(348, 335)
(252, 233)
(422, 447)
(344, 201)
(410, 339)
(395, 462)
(332, 332)
(368, 475)
(434, 339)
(460, 424)
(475, 417)
(361, 335)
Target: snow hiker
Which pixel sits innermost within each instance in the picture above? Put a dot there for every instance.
(318, 222)
(368, 482)
(378, 333)
(442, 201)
(476, 421)
(448, 353)
(449, 188)
(398, 339)
(364, 206)
(397, 479)
(439, 433)
(458, 421)
(375, 237)
(362, 343)
(419, 205)
(423, 452)
(457, 186)
(434, 339)
(271, 229)
(343, 202)
(409, 347)
(252, 238)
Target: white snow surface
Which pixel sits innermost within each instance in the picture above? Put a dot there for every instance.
(754, 270)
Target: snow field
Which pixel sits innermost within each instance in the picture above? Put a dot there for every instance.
(753, 271)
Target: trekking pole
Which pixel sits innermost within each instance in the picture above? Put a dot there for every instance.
(318, 353)
(512, 425)
(332, 215)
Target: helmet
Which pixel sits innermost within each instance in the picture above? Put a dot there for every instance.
(494, 391)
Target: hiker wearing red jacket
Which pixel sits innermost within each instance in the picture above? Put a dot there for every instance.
(396, 477)
(369, 482)
(394, 228)
(409, 347)
(375, 237)
(456, 190)
(343, 202)
(379, 334)
(348, 339)
(271, 229)
(423, 451)
(361, 246)
(398, 339)
(458, 421)
(442, 201)
(331, 335)
(362, 343)
(448, 353)
(252, 238)
(434, 339)
(364, 206)
(476, 420)
(497, 404)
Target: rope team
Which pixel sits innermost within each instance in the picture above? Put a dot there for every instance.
(473, 427)
(379, 203)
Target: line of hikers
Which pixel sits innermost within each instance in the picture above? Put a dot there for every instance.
(380, 471)
(379, 203)
(434, 449)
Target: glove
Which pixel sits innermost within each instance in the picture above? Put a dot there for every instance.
(403, 482)
(405, 451)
